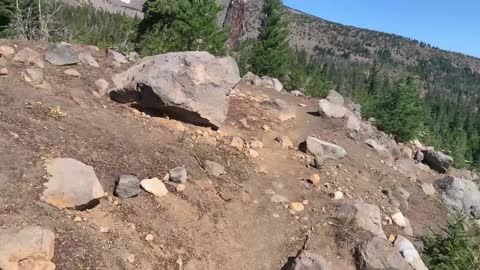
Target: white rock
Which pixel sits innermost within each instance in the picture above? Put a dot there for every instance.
(399, 219)
(154, 186)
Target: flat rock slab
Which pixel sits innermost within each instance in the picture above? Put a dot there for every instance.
(71, 184)
(27, 248)
(379, 254)
(60, 55)
(366, 216)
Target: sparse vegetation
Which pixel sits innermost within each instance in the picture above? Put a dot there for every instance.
(56, 112)
(456, 248)
(345, 230)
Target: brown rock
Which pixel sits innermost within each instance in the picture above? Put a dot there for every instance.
(72, 73)
(29, 57)
(3, 71)
(6, 51)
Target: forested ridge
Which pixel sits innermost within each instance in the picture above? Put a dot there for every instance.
(449, 82)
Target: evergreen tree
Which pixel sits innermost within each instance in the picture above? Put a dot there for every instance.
(401, 113)
(7, 9)
(272, 50)
(374, 80)
(181, 25)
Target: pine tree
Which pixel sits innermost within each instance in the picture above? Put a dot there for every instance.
(7, 10)
(401, 113)
(374, 80)
(272, 50)
(181, 25)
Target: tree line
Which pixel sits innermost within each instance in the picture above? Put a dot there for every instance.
(443, 117)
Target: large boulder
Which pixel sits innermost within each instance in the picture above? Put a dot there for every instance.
(437, 160)
(366, 217)
(307, 260)
(460, 196)
(29, 57)
(332, 110)
(27, 248)
(116, 56)
(324, 150)
(335, 98)
(379, 254)
(60, 55)
(409, 253)
(71, 184)
(6, 51)
(407, 167)
(189, 86)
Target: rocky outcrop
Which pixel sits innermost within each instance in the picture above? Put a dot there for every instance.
(332, 110)
(437, 160)
(189, 86)
(27, 248)
(71, 184)
(460, 196)
(366, 216)
(60, 55)
(335, 98)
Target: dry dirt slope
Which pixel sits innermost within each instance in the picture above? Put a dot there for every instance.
(226, 222)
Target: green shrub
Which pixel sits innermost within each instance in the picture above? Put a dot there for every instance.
(454, 249)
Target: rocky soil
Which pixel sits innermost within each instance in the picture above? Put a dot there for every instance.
(110, 185)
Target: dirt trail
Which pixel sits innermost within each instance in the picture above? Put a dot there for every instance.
(226, 222)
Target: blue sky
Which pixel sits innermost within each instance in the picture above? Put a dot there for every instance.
(447, 24)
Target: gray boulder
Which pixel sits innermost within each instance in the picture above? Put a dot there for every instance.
(335, 98)
(60, 55)
(251, 79)
(379, 254)
(307, 260)
(189, 86)
(437, 160)
(128, 186)
(366, 216)
(460, 196)
(381, 149)
(398, 197)
(29, 247)
(324, 150)
(71, 184)
(102, 86)
(116, 56)
(178, 175)
(332, 110)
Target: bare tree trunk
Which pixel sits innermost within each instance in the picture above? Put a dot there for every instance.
(235, 21)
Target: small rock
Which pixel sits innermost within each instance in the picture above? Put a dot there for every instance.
(391, 238)
(72, 73)
(428, 189)
(181, 187)
(314, 179)
(71, 184)
(275, 215)
(305, 202)
(178, 175)
(6, 51)
(237, 143)
(244, 122)
(116, 56)
(253, 153)
(33, 76)
(285, 142)
(307, 260)
(399, 219)
(297, 206)
(130, 258)
(3, 71)
(149, 237)
(102, 86)
(265, 127)
(128, 186)
(154, 186)
(337, 195)
(104, 229)
(214, 168)
(77, 219)
(256, 144)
